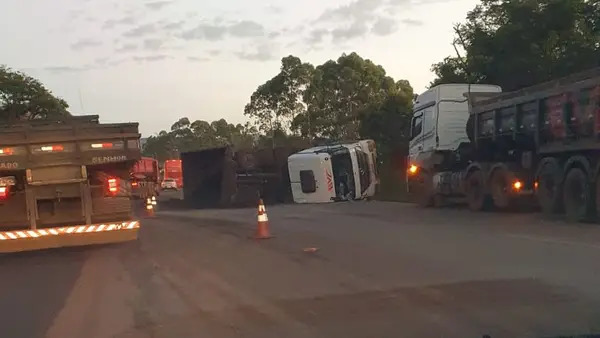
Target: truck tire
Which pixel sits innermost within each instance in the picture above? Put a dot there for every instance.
(549, 189)
(577, 197)
(475, 191)
(500, 188)
(425, 194)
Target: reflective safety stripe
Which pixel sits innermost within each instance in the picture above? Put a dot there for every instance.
(262, 208)
(263, 218)
(9, 235)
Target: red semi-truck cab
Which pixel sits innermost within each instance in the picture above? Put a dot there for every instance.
(144, 178)
(172, 170)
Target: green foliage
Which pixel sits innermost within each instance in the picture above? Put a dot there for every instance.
(277, 102)
(340, 94)
(389, 124)
(520, 43)
(346, 99)
(23, 97)
(185, 136)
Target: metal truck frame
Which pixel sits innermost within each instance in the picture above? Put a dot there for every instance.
(540, 141)
(66, 183)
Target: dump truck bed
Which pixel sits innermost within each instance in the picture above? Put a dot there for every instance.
(64, 183)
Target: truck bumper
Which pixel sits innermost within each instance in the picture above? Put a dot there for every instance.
(29, 240)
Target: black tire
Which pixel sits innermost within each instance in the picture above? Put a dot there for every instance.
(549, 189)
(577, 197)
(500, 185)
(475, 191)
(424, 195)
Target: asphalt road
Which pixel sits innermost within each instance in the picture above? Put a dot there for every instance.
(357, 269)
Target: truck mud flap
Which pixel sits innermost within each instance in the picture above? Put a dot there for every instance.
(29, 240)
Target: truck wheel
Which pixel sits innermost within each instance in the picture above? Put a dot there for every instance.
(475, 190)
(549, 189)
(500, 188)
(577, 196)
(425, 191)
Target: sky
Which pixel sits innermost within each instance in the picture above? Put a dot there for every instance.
(154, 61)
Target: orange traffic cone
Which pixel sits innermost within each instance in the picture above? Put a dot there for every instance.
(150, 207)
(262, 230)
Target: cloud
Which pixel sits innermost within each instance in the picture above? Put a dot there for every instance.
(384, 26)
(316, 36)
(67, 69)
(197, 59)
(218, 31)
(85, 43)
(101, 61)
(357, 29)
(275, 9)
(127, 47)
(171, 26)
(156, 5)
(353, 20)
(356, 10)
(263, 52)
(75, 14)
(111, 23)
(245, 29)
(205, 32)
(151, 58)
(412, 22)
(140, 31)
(153, 44)
(214, 52)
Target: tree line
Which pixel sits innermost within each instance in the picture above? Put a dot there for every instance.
(508, 43)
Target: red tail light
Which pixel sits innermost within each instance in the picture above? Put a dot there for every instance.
(6, 151)
(102, 145)
(4, 191)
(53, 148)
(134, 184)
(113, 185)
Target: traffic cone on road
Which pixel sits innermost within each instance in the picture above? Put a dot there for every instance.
(150, 207)
(262, 229)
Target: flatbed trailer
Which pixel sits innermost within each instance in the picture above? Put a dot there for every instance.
(540, 143)
(66, 183)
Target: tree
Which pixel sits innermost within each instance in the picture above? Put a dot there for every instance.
(185, 136)
(340, 94)
(277, 102)
(520, 43)
(389, 124)
(23, 97)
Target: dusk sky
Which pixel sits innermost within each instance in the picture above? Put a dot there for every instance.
(156, 61)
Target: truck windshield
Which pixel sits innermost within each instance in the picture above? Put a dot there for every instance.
(363, 170)
(416, 126)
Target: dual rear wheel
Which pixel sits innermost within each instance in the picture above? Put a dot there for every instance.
(576, 195)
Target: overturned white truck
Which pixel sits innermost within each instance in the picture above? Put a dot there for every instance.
(330, 173)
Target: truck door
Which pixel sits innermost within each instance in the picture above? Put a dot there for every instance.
(422, 133)
(415, 146)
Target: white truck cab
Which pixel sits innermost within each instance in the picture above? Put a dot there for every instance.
(439, 118)
(338, 172)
